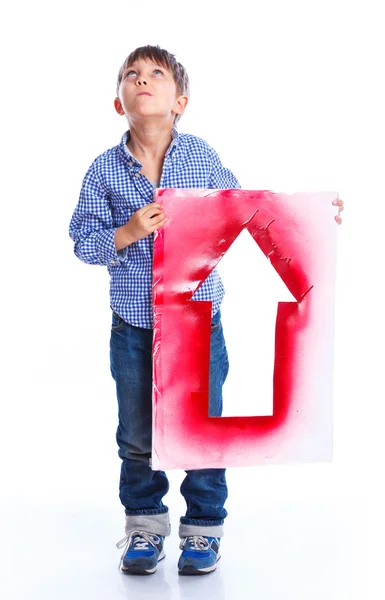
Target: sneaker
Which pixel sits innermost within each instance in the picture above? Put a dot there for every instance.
(141, 553)
(200, 555)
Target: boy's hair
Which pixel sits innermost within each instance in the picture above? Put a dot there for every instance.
(164, 59)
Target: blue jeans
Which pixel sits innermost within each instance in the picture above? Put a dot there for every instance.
(140, 488)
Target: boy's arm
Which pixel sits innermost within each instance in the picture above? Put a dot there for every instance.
(91, 226)
(221, 178)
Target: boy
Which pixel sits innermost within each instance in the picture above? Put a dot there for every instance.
(112, 225)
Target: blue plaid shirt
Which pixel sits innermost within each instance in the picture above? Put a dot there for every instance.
(113, 189)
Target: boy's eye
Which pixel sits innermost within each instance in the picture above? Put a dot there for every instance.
(132, 73)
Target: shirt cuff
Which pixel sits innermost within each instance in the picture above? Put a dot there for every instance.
(107, 250)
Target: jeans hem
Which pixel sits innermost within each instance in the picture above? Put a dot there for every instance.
(146, 511)
(201, 522)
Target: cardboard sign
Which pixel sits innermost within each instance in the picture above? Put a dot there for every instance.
(297, 234)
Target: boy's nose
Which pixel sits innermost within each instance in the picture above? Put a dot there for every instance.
(141, 82)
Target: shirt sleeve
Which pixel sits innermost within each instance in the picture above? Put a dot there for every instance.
(91, 226)
(221, 178)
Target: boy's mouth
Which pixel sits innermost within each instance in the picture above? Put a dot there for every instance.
(145, 94)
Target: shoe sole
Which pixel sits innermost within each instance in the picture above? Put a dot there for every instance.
(190, 570)
(138, 570)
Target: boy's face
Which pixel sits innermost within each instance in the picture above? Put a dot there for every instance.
(148, 91)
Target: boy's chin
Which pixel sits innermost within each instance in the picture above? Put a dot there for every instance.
(154, 119)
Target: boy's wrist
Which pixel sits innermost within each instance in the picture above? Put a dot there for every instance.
(122, 238)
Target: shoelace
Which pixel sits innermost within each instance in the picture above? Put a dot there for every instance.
(142, 542)
(198, 542)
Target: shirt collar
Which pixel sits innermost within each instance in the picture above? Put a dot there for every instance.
(129, 159)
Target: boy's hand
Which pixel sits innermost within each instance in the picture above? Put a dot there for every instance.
(145, 221)
(340, 204)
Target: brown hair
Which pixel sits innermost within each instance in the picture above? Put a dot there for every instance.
(162, 58)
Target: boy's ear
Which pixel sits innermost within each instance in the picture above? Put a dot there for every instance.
(118, 106)
(180, 105)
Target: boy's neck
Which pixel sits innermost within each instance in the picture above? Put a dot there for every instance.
(149, 142)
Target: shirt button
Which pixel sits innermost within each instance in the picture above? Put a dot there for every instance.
(137, 174)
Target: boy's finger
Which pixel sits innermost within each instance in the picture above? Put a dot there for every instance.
(337, 202)
(156, 214)
(152, 206)
(151, 212)
(158, 222)
(157, 218)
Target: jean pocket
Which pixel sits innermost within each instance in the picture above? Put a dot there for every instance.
(215, 326)
(117, 322)
(216, 321)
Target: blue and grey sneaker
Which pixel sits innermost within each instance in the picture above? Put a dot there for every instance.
(200, 555)
(141, 553)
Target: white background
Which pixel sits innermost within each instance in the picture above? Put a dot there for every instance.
(291, 96)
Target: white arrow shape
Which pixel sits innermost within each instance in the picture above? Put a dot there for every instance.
(249, 310)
